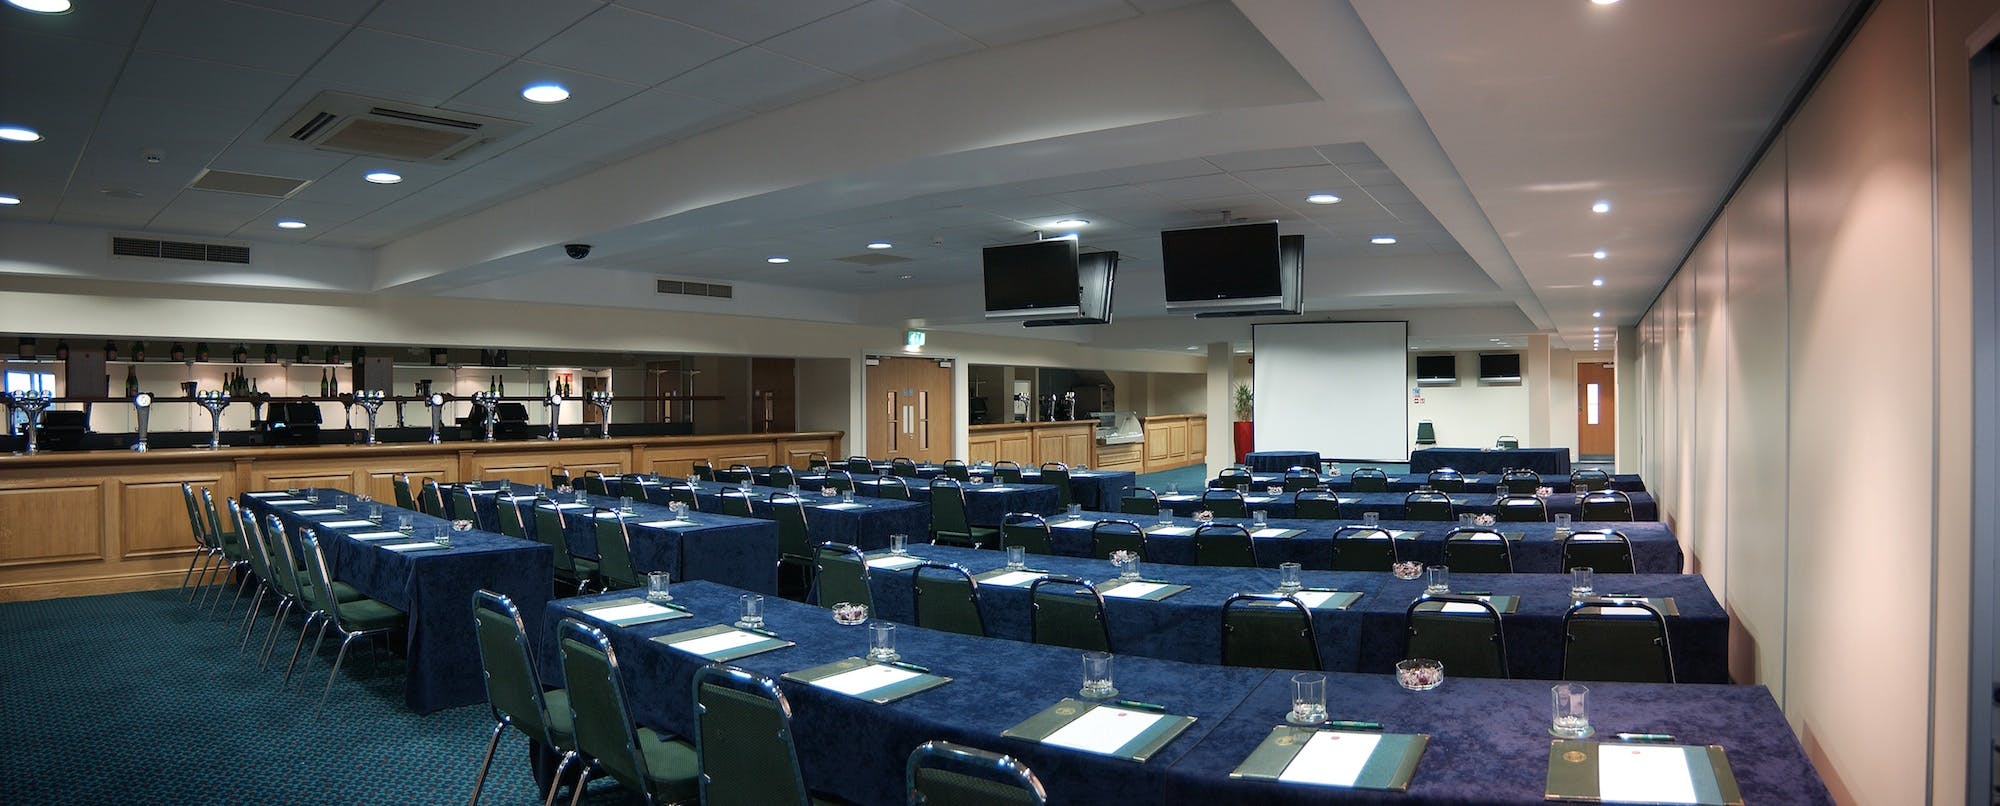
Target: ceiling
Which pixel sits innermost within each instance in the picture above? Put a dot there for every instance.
(702, 138)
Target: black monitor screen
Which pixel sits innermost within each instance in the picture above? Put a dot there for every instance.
(1437, 368)
(1032, 275)
(1236, 262)
(1499, 365)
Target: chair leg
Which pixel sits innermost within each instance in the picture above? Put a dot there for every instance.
(250, 618)
(235, 567)
(248, 580)
(332, 675)
(576, 792)
(271, 635)
(193, 560)
(492, 744)
(555, 780)
(201, 579)
(301, 645)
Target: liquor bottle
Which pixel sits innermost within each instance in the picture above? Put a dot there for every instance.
(201, 351)
(322, 383)
(253, 387)
(332, 354)
(131, 381)
(178, 353)
(110, 350)
(240, 355)
(493, 384)
(304, 355)
(333, 383)
(503, 386)
(62, 349)
(138, 351)
(270, 354)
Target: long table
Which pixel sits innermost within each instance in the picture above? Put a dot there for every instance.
(1390, 505)
(434, 587)
(985, 503)
(1367, 636)
(1409, 482)
(1489, 742)
(1491, 460)
(1281, 461)
(867, 522)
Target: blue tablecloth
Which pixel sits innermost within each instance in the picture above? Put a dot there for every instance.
(1553, 461)
(1390, 505)
(1366, 637)
(1474, 483)
(867, 525)
(1281, 461)
(742, 552)
(1489, 743)
(1093, 489)
(434, 587)
(1655, 549)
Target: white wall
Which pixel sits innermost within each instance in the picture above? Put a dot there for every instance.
(1470, 413)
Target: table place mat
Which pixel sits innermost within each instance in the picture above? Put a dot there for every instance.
(877, 683)
(1170, 531)
(1259, 499)
(481, 491)
(515, 499)
(372, 536)
(572, 506)
(1009, 579)
(1503, 604)
(407, 548)
(631, 611)
(1355, 760)
(673, 524)
(1178, 497)
(286, 502)
(894, 563)
(1319, 599)
(1277, 532)
(266, 495)
(1616, 772)
(1074, 523)
(347, 524)
(722, 643)
(1105, 730)
(844, 505)
(1664, 604)
(1141, 589)
(996, 489)
(316, 512)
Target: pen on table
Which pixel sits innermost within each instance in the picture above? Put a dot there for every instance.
(1644, 737)
(910, 666)
(762, 632)
(1353, 725)
(1145, 706)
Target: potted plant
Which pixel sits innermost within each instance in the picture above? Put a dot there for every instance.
(1243, 433)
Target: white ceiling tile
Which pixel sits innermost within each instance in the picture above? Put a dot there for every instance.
(201, 83)
(630, 46)
(1369, 173)
(114, 21)
(1154, 172)
(189, 136)
(662, 114)
(347, 11)
(1020, 20)
(872, 40)
(1296, 181)
(278, 160)
(205, 213)
(1197, 187)
(755, 78)
(1390, 194)
(1348, 152)
(1268, 158)
(512, 27)
(499, 94)
(27, 62)
(423, 72)
(238, 34)
(747, 22)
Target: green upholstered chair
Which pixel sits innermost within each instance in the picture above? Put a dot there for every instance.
(817, 460)
(1521, 509)
(860, 464)
(1007, 471)
(1617, 640)
(462, 504)
(1225, 502)
(1368, 480)
(683, 494)
(514, 691)
(737, 474)
(1300, 478)
(1507, 442)
(1224, 544)
(657, 767)
(1108, 536)
(947, 598)
(1319, 505)
(1604, 551)
(840, 574)
(1427, 505)
(1478, 550)
(1605, 505)
(560, 477)
(614, 551)
(593, 483)
(1234, 478)
(1426, 433)
(205, 549)
(702, 470)
(795, 546)
(1469, 644)
(361, 618)
(262, 575)
(1068, 612)
(1446, 479)
(737, 503)
(430, 500)
(1056, 474)
(405, 499)
(903, 467)
(1361, 548)
(840, 480)
(1141, 501)
(783, 476)
(743, 730)
(1267, 630)
(1027, 530)
(1585, 479)
(940, 772)
(235, 557)
(949, 522)
(955, 469)
(512, 522)
(894, 488)
(552, 529)
(1521, 480)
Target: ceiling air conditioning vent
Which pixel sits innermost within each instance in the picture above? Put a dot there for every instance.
(692, 289)
(372, 127)
(270, 187)
(180, 250)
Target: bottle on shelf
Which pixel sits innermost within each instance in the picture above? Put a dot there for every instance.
(503, 385)
(62, 349)
(322, 383)
(178, 353)
(332, 383)
(201, 351)
(270, 354)
(110, 350)
(253, 387)
(304, 355)
(138, 351)
(131, 381)
(241, 354)
(332, 354)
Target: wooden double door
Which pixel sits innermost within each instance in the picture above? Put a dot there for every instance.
(909, 405)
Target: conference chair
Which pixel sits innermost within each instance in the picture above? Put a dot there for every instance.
(430, 500)
(955, 469)
(943, 773)
(1070, 613)
(361, 618)
(893, 488)
(737, 474)
(903, 467)
(1368, 480)
(1511, 508)
(558, 477)
(1108, 536)
(593, 483)
(1141, 501)
(1605, 551)
(949, 522)
(235, 559)
(736, 503)
(404, 498)
(1027, 530)
(702, 471)
(1236, 478)
(1520, 481)
(295, 583)
(947, 598)
(743, 738)
(1318, 504)
(1225, 502)
(817, 460)
(614, 551)
(1268, 630)
(1224, 544)
(1007, 471)
(206, 549)
(552, 530)
(1588, 479)
(1478, 550)
(1056, 474)
(514, 691)
(840, 574)
(1301, 478)
(1616, 640)
(659, 768)
(1446, 479)
(840, 480)
(1507, 442)
(860, 464)
(462, 505)
(262, 575)
(794, 539)
(1427, 505)
(1462, 632)
(1605, 505)
(1363, 548)
(685, 494)
(783, 476)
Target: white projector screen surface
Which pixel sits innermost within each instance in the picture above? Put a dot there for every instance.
(1333, 387)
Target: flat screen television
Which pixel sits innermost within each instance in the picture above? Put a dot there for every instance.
(1094, 273)
(1032, 280)
(1500, 366)
(1232, 270)
(1437, 369)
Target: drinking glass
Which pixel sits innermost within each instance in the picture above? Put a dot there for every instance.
(1437, 579)
(506, 487)
(1288, 577)
(752, 605)
(847, 496)
(1580, 583)
(1308, 699)
(442, 538)
(1562, 524)
(313, 496)
(375, 514)
(1097, 676)
(292, 491)
(582, 497)
(1173, 488)
(1166, 517)
(1371, 519)
(793, 490)
(1075, 509)
(1569, 710)
(1017, 557)
(1129, 567)
(882, 641)
(1465, 519)
(340, 506)
(404, 525)
(656, 587)
(899, 544)
(1259, 518)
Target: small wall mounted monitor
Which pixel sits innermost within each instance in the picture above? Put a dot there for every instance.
(1500, 366)
(1032, 280)
(1437, 369)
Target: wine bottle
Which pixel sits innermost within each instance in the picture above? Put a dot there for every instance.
(322, 383)
(201, 351)
(239, 355)
(62, 349)
(332, 354)
(270, 354)
(110, 350)
(179, 353)
(304, 355)
(138, 351)
(131, 381)
(503, 386)
(253, 387)
(333, 383)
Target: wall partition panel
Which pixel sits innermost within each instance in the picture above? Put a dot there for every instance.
(1333, 387)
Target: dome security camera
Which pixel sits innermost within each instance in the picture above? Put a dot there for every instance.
(576, 251)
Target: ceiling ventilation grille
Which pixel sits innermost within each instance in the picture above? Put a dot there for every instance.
(372, 127)
(689, 289)
(270, 187)
(180, 250)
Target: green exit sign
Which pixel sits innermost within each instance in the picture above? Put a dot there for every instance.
(913, 339)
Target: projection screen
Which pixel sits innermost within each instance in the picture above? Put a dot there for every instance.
(1333, 387)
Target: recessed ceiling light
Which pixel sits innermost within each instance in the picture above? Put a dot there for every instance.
(1596, 328)
(1382, 240)
(1073, 222)
(19, 134)
(1323, 198)
(383, 177)
(291, 223)
(1602, 2)
(42, 6)
(9, 198)
(1597, 314)
(1601, 207)
(545, 93)
(881, 245)
(1600, 254)
(908, 276)
(777, 259)
(1597, 281)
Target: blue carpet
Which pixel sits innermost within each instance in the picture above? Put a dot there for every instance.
(139, 698)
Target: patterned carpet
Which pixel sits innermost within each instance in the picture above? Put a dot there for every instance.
(139, 698)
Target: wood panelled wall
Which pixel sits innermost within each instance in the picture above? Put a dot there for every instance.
(1029, 444)
(108, 521)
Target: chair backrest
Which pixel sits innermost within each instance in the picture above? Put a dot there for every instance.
(817, 460)
(1007, 471)
(283, 561)
(227, 539)
(253, 542)
(1237, 477)
(404, 498)
(1605, 552)
(1507, 442)
(794, 536)
(1300, 478)
(1521, 480)
(941, 773)
(948, 508)
(947, 598)
(1057, 474)
(1446, 479)
(195, 524)
(1224, 544)
(955, 469)
(683, 494)
(1605, 505)
(783, 476)
(1117, 535)
(743, 736)
(1027, 530)
(430, 500)
(1267, 630)
(593, 483)
(1462, 632)
(1368, 480)
(738, 473)
(1361, 548)
(736, 502)
(1316, 505)
(1141, 501)
(839, 480)
(319, 579)
(1225, 503)
(1617, 640)
(614, 550)
(860, 464)
(1521, 509)
(894, 488)
(903, 467)
(1071, 614)
(552, 529)
(513, 689)
(1478, 550)
(559, 477)
(512, 522)
(462, 505)
(1589, 478)
(702, 470)
(1427, 505)
(840, 574)
(600, 716)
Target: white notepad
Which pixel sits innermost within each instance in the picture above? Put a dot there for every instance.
(1272, 531)
(1314, 598)
(315, 512)
(1015, 579)
(376, 535)
(1133, 590)
(267, 495)
(1172, 531)
(719, 642)
(1331, 759)
(572, 506)
(999, 489)
(1462, 607)
(633, 610)
(286, 502)
(1103, 730)
(1258, 499)
(674, 524)
(403, 547)
(1078, 523)
(517, 498)
(1177, 497)
(895, 563)
(865, 679)
(1639, 774)
(844, 505)
(345, 524)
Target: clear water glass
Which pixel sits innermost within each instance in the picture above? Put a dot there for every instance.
(1166, 517)
(1017, 557)
(751, 607)
(656, 587)
(1173, 488)
(1075, 510)
(1288, 577)
(1371, 519)
(1260, 518)
(442, 538)
(882, 641)
(1581, 583)
(847, 496)
(313, 496)
(1562, 524)
(404, 525)
(899, 544)
(1437, 579)
(793, 490)
(1465, 519)
(506, 487)
(1569, 710)
(1128, 568)
(582, 497)
(375, 514)
(1097, 676)
(1308, 699)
